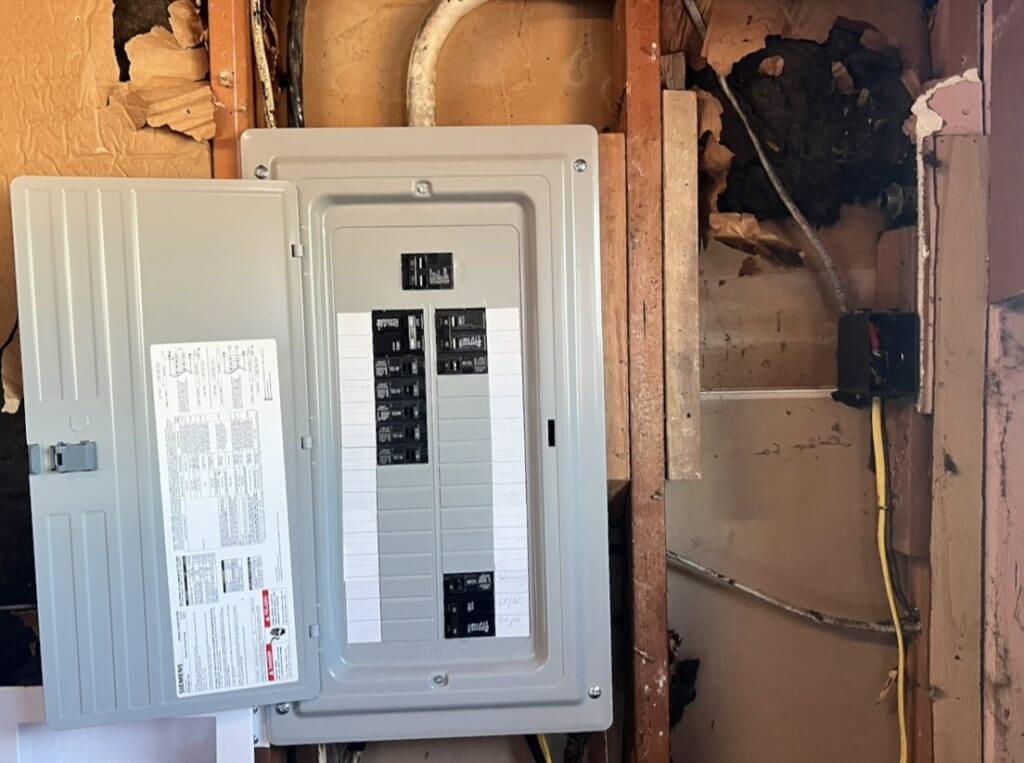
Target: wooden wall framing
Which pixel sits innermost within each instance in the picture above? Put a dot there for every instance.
(961, 288)
(638, 63)
(231, 80)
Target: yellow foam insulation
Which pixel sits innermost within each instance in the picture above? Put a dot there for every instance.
(510, 62)
(66, 114)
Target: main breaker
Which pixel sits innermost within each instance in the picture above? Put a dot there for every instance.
(328, 439)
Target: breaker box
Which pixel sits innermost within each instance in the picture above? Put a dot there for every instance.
(328, 439)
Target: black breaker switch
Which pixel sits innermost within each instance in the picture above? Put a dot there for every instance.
(878, 355)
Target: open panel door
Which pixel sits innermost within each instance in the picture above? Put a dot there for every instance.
(166, 409)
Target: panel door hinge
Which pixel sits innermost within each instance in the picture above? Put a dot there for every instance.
(298, 250)
(306, 442)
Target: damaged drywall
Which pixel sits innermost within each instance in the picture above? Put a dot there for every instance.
(826, 85)
(132, 18)
(831, 117)
(168, 84)
(60, 119)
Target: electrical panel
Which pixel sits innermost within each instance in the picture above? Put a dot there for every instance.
(336, 434)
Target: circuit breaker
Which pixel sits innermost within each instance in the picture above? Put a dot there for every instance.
(343, 424)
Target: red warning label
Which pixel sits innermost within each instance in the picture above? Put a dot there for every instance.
(266, 608)
(271, 676)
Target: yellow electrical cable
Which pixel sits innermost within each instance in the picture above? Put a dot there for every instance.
(543, 740)
(882, 490)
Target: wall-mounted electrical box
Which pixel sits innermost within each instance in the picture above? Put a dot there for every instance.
(343, 426)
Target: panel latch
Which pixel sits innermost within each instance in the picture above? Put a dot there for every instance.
(74, 456)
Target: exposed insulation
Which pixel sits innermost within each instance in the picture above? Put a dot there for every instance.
(65, 115)
(831, 121)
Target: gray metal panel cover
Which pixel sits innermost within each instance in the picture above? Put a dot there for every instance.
(365, 195)
(107, 268)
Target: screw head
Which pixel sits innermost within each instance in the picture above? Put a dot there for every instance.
(261, 172)
(439, 680)
(283, 708)
(580, 165)
(422, 188)
(255, 739)
(594, 692)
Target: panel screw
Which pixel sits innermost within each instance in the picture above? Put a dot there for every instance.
(580, 165)
(422, 188)
(261, 172)
(255, 740)
(439, 680)
(594, 692)
(283, 708)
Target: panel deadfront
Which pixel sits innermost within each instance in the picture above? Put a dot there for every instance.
(459, 488)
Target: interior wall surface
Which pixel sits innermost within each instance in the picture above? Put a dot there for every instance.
(56, 83)
(786, 504)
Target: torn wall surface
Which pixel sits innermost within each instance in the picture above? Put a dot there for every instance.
(826, 87)
(60, 119)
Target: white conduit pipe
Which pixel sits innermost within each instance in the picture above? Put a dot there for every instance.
(421, 86)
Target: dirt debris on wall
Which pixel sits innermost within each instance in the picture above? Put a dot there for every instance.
(65, 115)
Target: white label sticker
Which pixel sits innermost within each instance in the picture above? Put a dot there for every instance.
(508, 474)
(225, 515)
(359, 478)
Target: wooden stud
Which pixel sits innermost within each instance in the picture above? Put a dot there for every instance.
(961, 287)
(638, 65)
(682, 285)
(231, 80)
(673, 71)
(613, 297)
(1003, 688)
(910, 469)
(918, 577)
(910, 433)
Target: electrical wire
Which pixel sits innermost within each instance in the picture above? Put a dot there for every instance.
(544, 747)
(296, 43)
(897, 578)
(259, 47)
(536, 751)
(821, 618)
(882, 494)
(831, 270)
